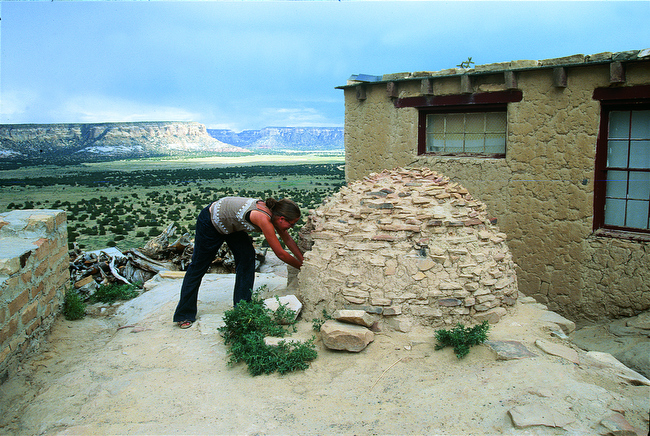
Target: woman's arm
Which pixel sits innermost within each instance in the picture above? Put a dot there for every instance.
(263, 221)
(291, 244)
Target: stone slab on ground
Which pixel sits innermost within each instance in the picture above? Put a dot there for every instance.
(215, 288)
(566, 325)
(544, 414)
(508, 350)
(558, 350)
(341, 336)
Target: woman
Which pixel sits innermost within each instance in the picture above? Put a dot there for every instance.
(230, 219)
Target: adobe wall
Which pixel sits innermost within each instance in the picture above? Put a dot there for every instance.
(541, 192)
(34, 273)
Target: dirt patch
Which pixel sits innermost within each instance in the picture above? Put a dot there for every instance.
(97, 376)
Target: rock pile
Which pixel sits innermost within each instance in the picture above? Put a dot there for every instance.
(409, 246)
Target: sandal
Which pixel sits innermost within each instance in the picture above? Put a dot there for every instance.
(185, 324)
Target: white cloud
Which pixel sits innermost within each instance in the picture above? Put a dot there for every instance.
(93, 109)
(17, 106)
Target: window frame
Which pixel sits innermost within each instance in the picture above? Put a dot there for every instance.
(476, 102)
(634, 98)
(483, 108)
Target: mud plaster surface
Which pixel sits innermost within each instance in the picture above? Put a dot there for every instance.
(93, 377)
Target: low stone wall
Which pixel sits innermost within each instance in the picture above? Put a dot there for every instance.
(411, 248)
(34, 273)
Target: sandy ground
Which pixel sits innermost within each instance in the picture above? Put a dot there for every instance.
(98, 376)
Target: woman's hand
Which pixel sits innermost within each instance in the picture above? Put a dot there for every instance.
(263, 221)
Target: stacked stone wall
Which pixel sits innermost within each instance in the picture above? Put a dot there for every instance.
(542, 192)
(410, 247)
(34, 273)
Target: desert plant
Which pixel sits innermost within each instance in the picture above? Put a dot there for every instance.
(317, 323)
(73, 305)
(245, 327)
(112, 292)
(462, 338)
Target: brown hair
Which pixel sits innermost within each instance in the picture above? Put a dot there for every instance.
(283, 207)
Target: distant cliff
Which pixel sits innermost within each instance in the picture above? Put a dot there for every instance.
(72, 143)
(284, 138)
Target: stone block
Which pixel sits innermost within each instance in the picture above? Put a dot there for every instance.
(29, 312)
(291, 302)
(340, 336)
(358, 317)
(18, 303)
(392, 311)
(566, 325)
(9, 266)
(492, 316)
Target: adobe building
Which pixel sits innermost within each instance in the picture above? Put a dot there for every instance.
(558, 150)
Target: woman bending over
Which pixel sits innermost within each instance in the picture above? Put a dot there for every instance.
(229, 220)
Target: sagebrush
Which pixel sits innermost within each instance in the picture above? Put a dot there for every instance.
(462, 338)
(245, 327)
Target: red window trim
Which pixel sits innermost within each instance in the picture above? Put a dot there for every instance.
(611, 99)
(476, 102)
(479, 98)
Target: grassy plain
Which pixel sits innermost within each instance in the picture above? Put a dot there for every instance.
(126, 203)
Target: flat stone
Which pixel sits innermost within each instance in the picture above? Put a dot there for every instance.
(290, 301)
(538, 414)
(450, 302)
(340, 336)
(641, 321)
(509, 350)
(172, 274)
(358, 317)
(618, 425)
(273, 341)
(606, 360)
(558, 350)
(426, 264)
(492, 316)
(566, 325)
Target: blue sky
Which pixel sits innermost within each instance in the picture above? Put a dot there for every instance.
(248, 65)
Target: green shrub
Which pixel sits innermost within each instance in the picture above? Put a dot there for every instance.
(112, 292)
(73, 305)
(317, 323)
(245, 327)
(462, 338)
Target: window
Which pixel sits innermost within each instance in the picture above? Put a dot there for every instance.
(464, 124)
(622, 186)
(473, 133)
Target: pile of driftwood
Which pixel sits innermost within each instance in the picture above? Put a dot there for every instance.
(88, 270)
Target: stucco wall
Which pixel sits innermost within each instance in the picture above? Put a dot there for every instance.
(541, 192)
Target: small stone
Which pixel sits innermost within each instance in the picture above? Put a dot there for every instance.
(426, 264)
(289, 301)
(358, 317)
(419, 276)
(273, 341)
(450, 302)
(392, 310)
(492, 316)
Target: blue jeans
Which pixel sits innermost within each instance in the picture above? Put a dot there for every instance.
(206, 244)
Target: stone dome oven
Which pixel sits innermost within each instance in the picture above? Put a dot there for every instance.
(409, 246)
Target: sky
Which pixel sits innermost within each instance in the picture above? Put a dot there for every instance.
(244, 65)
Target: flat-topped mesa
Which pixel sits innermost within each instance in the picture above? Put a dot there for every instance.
(411, 247)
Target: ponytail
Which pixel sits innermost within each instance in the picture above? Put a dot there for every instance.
(283, 207)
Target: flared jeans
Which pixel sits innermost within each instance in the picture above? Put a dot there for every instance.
(206, 244)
